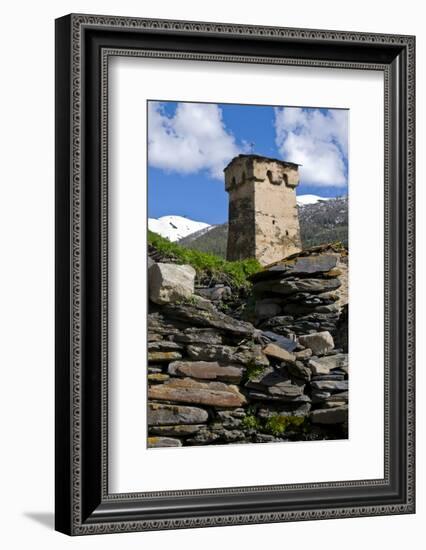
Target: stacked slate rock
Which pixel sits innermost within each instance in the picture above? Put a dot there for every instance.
(300, 295)
(215, 379)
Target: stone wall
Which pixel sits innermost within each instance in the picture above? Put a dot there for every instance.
(214, 378)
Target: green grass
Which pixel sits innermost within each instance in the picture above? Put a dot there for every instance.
(235, 273)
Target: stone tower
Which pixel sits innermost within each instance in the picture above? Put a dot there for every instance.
(263, 216)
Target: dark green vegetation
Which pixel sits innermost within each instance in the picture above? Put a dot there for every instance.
(324, 222)
(277, 424)
(208, 266)
(320, 223)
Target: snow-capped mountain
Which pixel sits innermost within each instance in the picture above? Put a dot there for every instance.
(310, 199)
(175, 227)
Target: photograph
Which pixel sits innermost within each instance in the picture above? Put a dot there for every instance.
(248, 273)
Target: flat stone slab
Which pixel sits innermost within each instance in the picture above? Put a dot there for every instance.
(266, 396)
(209, 352)
(294, 286)
(326, 364)
(275, 384)
(305, 265)
(206, 370)
(330, 385)
(164, 345)
(160, 414)
(277, 352)
(157, 377)
(319, 342)
(155, 441)
(187, 390)
(181, 430)
(343, 396)
(228, 354)
(198, 336)
(335, 415)
(163, 356)
(202, 313)
(279, 340)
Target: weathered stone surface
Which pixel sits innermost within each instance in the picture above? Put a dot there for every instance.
(335, 415)
(160, 414)
(231, 419)
(170, 282)
(277, 321)
(314, 264)
(164, 345)
(252, 356)
(150, 262)
(276, 383)
(284, 409)
(327, 308)
(343, 396)
(216, 293)
(303, 265)
(209, 352)
(320, 396)
(231, 436)
(187, 390)
(155, 369)
(266, 438)
(303, 354)
(330, 376)
(330, 362)
(299, 370)
(319, 342)
(282, 396)
(155, 441)
(277, 352)
(203, 437)
(202, 313)
(154, 337)
(267, 308)
(228, 354)
(292, 286)
(163, 356)
(332, 404)
(317, 368)
(157, 378)
(330, 385)
(198, 336)
(304, 308)
(279, 340)
(206, 370)
(180, 430)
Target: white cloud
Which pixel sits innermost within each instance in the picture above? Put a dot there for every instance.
(194, 139)
(316, 139)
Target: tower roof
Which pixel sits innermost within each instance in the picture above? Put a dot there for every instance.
(261, 158)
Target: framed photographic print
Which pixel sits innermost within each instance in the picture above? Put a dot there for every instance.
(234, 274)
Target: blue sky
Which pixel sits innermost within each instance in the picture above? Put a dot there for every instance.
(191, 143)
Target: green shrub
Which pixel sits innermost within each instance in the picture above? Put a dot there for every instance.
(252, 371)
(277, 424)
(251, 422)
(236, 273)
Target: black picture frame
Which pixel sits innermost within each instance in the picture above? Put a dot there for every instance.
(83, 504)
